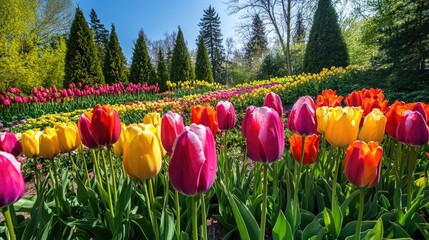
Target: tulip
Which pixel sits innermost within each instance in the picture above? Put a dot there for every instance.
(264, 134)
(85, 132)
(373, 127)
(362, 163)
(118, 148)
(193, 164)
(9, 143)
(329, 98)
(354, 99)
(420, 107)
(13, 184)
(152, 118)
(68, 136)
(48, 141)
(343, 126)
(393, 115)
(142, 157)
(105, 125)
(171, 126)
(412, 129)
(30, 143)
(369, 103)
(226, 115)
(322, 114)
(302, 118)
(273, 100)
(206, 116)
(311, 147)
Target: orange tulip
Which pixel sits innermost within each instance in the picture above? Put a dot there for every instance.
(205, 115)
(370, 103)
(311, 147)
(394, 114)
(329, 98)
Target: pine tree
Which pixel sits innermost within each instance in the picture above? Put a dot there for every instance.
(326, 46)
(82, 61)
(162, 71)
(211, 33)
(203, 69)
(257, 44)
(101, 34)
(115, 69)
(141, 69)
(181, 68)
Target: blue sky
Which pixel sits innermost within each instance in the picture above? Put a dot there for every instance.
(157, 17)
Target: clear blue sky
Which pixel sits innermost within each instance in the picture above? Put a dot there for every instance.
(157, 17)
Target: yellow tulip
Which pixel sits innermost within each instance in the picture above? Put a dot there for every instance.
(152, 118)
(373, 126)
(322, 114)
(343, 125)
(118, 148)
(155, 130)
(142, 158)
(30, 143)
(68, 136)
(48, 143)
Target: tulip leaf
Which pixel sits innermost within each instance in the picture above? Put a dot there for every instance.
(350, 228)
(282, 228)
(313, 228)
(376, 232)
(333, 221)
(348, 200)
(25, 204)
(167, 225)
(399, 231)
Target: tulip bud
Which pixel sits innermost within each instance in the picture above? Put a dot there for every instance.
(302, 118)
(343, 126)
(373, 127)
(49, 146)
(311, 148)
(30, 143)
(273, 101)
(171, 126)
(10, 143)
(13, 184)
(68, 136)
(225, 115)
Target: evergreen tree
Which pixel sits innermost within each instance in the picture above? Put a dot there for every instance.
(141, 68)
(211, 33)
(326, 46)
(203, 69)
(181, 68)
(101, 34)
(82, 61)
(162, 71)
(257, 44)
(115, 69)
(299, 35)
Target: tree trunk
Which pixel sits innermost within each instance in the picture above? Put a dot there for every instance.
(286, 49)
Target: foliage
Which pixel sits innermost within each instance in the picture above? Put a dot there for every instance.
(162, 71)
(115, 69)
(325, 47)
(203, 69)
(181, 67)
(299, 35)
(141, 68)
(257, 44)
(82, 61)
(273, 65)
(101, 34)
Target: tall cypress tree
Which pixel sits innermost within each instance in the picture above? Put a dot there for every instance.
(101, 34)
(203, 69)
(211, 33)
(82, 63)
(141, 68)
(162, 71)
(257, 44)
(326, 46)
(181, 68)
(115, 69)
(299, 34)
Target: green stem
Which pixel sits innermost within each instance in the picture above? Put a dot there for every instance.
(298, 177)
(86, 170)
(194, 218)
(361, 202)
(36, 176)
(334, 184)
(177, 215)
(9, 223)
(225, 160)
(203, 216)
(97, 168)
(411, 176)
(113, 172)
(264, 204)
(153, 204)
(109, 192)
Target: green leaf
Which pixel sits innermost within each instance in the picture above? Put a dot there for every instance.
(282, 228)
(167, 226)
(377, 232)
(333, 221)
(313, 229)
(399, 231)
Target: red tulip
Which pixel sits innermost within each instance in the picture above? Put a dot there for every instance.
(225, 115)
(171, 126)
(369, 103)
(394, 114)
(354, 99)
(273, 100)
(329, 98)
(311, 147)
(206, 116)
(302, 118)
(105, 125)
(10, 143)
(85, 132)
(13, 185)
(263, 130)
(362, 163)
(193, 164)
(412, 129)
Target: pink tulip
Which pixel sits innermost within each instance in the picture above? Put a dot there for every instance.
(10, 143)
(263, 130)
(412, 129)
(302, 118)
(273, 100)
(226, 117)
(13, 185)
(171, 126)
(193, 164)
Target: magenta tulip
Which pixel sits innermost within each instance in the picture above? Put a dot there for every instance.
(226, 117)
(105, 125)
(412, 129)
(302, 118)
(193, 164)
(263, 130)
(85, 133)
(171, 126)
(273, 101)
(13, 185)
(10, 143)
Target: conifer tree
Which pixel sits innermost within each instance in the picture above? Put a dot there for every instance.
(181, 67)
(82, 62)
(101, 34)
(257, 44)
(115, 69)
(162, 72)
(203, 69)
(299, 34)
(141, 69)
(326, 46)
